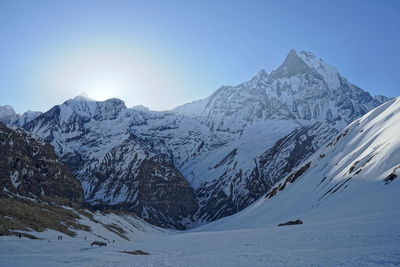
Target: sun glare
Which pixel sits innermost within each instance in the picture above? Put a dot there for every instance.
(102, 84)
(107, 72)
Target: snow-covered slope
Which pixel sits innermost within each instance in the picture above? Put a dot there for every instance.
(355, 174)
(217, 154)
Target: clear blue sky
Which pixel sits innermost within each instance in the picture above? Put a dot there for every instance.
(165, 53)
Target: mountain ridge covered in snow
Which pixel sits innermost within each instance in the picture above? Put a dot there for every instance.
(215, 153)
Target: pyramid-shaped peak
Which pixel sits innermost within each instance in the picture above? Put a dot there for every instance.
(292, 53)
(291, 66)
(301, 62)
(262, 74)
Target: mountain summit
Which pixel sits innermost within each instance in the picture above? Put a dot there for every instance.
(293, 65)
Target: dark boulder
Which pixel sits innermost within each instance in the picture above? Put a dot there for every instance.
(291, 223)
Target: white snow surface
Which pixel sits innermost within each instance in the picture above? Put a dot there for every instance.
(357, 241)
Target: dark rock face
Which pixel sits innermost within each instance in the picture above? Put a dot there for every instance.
(392, 176)
(214, 202)
(149, 185)
(29, 168)
(292, 66)
(163, 191)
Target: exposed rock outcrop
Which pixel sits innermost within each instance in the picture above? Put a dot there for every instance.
(29, 168)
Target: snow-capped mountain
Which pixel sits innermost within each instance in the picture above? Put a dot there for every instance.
(355, 174)
(9, 116)
(116, 167)
(302, 93)
(303, 89)
(209, 158)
